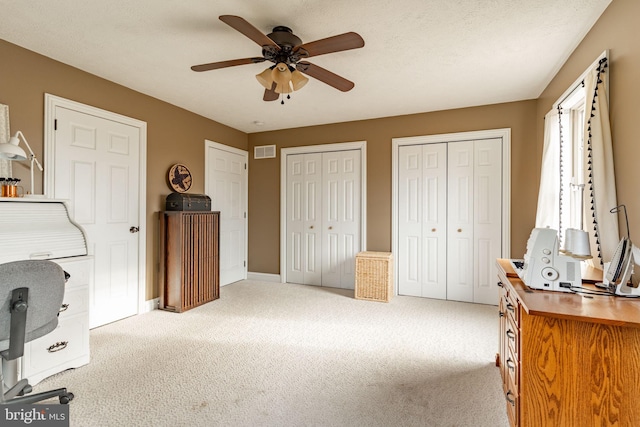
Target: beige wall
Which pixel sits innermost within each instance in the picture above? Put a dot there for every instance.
(264, 175)
(616, 30)
(173, 134)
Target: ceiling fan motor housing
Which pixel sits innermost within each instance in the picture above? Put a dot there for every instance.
(283, 37)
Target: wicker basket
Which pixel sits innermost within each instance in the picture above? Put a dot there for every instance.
(374, 276)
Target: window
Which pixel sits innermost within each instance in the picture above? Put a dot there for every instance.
(571, 157)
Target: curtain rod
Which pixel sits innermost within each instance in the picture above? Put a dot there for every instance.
(576, 83)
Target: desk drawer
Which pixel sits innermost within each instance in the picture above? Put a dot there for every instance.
(76, 301)
(512, 336)
(57, 350)
(79, 270)
(512, 306)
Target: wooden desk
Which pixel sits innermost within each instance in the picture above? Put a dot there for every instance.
(568, 359)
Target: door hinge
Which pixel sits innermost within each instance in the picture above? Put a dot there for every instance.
(245, 166)
(55, 124)
(245, 263)
(245, 215)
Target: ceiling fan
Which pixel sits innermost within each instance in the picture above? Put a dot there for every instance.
(287, 52)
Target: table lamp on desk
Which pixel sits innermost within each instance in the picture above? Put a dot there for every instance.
(11, 151)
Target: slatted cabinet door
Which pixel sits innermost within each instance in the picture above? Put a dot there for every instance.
(190, 259)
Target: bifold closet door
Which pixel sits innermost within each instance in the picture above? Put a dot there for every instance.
(341, 217)
(323, 218)
(450, 219)
(422, 199)
(304, 223)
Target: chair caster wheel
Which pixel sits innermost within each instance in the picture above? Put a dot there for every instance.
(65, 399)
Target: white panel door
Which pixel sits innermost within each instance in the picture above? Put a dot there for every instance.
(450, 219)
(460, 261)
(422, 220)
(227, 178)
(341, 217)
(97, 170)
(304, 226)
(487, 218)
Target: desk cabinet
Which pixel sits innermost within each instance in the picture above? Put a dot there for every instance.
(567, 359)
(189, 259)
(67, 346)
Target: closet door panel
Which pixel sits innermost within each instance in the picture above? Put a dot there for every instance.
(304, 183)
(434, 221)
(488, 217)
(341, 219)
(410, 207)
(312, 208)
(460, 231)
(422, 220)
(295, 220)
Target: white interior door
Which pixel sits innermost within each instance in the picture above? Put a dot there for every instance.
(226, 184)
(488, 205)
(450, 219)
(323, 217)
(304, 225)
(460, 233)
(97, 171)
(340, 218)
(422, 208)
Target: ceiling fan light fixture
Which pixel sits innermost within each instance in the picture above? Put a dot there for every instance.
(298, 80)
(265, 78)
(281, 74)
(283, 88)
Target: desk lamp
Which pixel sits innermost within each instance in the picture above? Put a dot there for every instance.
(11, 151)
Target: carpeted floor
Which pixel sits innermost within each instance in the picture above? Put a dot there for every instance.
(272, 354)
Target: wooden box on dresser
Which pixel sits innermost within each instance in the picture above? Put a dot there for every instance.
(568, 359)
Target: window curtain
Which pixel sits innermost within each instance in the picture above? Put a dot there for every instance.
(548, 212)
(5, 165)
(600, 185)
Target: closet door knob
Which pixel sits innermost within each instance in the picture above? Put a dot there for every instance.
(330, 228)
(459, 230)
(433, 230)
(311, 227)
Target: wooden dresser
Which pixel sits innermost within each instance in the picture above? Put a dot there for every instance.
(568, 359)
(189, 259)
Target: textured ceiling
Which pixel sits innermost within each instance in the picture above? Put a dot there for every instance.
(419, 55)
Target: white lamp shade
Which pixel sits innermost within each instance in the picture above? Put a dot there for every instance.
(298, 80)
(265, 78)
(11, 151)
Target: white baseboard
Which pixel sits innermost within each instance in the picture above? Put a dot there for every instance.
(150, 305)
(264, 277)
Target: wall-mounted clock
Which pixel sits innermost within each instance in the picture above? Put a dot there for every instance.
(179, 178)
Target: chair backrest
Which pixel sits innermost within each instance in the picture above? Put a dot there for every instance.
(45, 281)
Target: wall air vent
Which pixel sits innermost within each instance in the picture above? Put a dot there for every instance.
(264, 152)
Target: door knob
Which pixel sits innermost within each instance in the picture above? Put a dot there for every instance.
(459, 230)
(330, 228)
(311, 227)
(134, 229)
(433, 230)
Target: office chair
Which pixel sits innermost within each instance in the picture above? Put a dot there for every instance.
(31, 294)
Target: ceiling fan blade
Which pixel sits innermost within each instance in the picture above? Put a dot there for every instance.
(325, 76)
(225, 64)
(270, 94)
(332, 44)
(241, 25)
